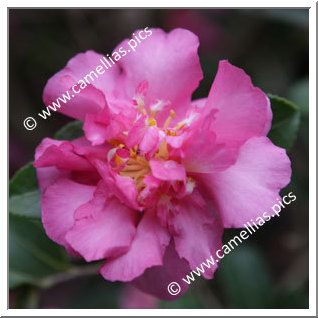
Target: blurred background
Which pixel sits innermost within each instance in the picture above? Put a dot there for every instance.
(270, 269)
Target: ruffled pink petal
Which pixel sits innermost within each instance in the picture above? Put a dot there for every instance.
(136, 133)
(150, 194)
(47, 176)
(83, 147)
(170, 64)
(147, 138)
(119, 105)
(104, 227)
(95, 132)
(200, 103)
(155, 280)
(202, 154)
(167, 170)
(62, 156)
(195, 224)
(79, 148)
(58, 204)
(84, 63)
(150, 141)
(243, 111)
(45, 143)
(188, 126)
(123, 188)
(147, 250)
(90, 99)
(252, 185)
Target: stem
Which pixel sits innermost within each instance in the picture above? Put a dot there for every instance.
(72, 273)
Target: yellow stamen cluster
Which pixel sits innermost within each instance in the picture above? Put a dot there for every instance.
(136, 168)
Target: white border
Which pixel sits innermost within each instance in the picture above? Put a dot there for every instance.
(312, 165)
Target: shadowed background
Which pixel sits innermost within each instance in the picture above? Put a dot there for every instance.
(270, 269)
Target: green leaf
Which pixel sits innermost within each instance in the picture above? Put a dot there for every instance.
(26, 204)
(70, 131)
(285, 124)
(299, 94)
(24, 180)
(245, 279)
(32, 255)
(24, 194)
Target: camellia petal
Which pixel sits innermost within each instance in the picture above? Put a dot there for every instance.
(252, 185)
(167, 170)
(172, 76)
(90, 86)
(194, 221)
(156, 279)
(92, 234)
(243, 111)
(47, 176)
(58, 204)
(124, 188)
(147, 250)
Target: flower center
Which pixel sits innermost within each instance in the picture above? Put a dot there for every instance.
(129, 162)
(137, 167)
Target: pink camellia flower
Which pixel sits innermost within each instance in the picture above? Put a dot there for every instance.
(157, 177)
